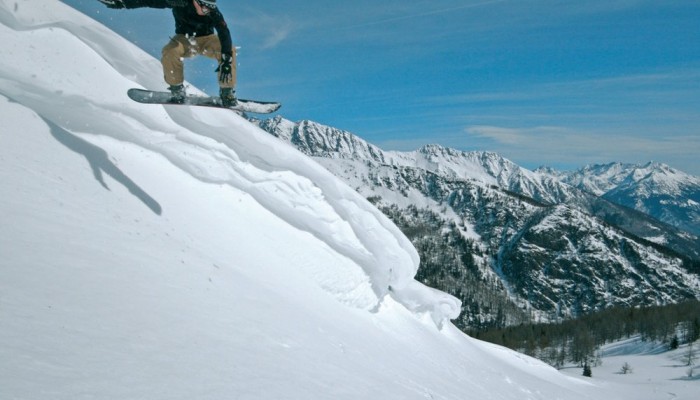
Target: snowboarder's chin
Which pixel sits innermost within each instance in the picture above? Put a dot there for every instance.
(201, 10)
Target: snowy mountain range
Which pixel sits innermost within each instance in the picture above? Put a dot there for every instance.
(526, 244)
(655, 189)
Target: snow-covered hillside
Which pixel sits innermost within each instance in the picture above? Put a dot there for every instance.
(653, 372)
(150, 252)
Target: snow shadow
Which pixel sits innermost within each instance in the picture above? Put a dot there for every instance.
(694, 377)
(99, 162)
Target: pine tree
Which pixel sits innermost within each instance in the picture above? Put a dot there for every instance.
(587, 371)
(674, 342)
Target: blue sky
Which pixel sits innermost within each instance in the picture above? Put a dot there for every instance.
(542, 82)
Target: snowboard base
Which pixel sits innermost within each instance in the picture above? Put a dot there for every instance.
(243, 105)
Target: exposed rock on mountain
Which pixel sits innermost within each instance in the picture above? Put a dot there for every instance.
(512, 244)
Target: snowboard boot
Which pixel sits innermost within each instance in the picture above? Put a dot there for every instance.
(228, 97)
(178, 93)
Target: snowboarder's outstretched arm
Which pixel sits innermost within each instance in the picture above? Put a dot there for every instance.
(144, 3)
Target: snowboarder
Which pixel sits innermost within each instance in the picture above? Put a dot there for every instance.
(195, 22)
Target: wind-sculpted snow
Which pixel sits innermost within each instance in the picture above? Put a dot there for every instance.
(75, 73)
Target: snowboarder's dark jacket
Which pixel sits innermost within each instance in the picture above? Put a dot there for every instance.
(188, 22)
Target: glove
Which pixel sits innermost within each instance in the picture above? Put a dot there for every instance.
(113, 3)
(225, 69)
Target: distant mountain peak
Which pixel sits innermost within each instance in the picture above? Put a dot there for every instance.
(654, 188)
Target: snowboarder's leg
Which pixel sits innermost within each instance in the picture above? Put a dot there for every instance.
(178, 48)
(210, 46)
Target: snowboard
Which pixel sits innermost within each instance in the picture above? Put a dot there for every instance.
(243, 105)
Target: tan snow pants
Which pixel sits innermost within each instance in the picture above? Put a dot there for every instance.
(181, 46)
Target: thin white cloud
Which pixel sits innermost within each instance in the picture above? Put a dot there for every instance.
(534, 146)
(510, 136)
(276, 36)
(674, 82)
(270, 30)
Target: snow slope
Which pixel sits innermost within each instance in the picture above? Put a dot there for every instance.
(656, 372)
(150, 252)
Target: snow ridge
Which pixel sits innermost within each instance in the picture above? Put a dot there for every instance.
(485, 168)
